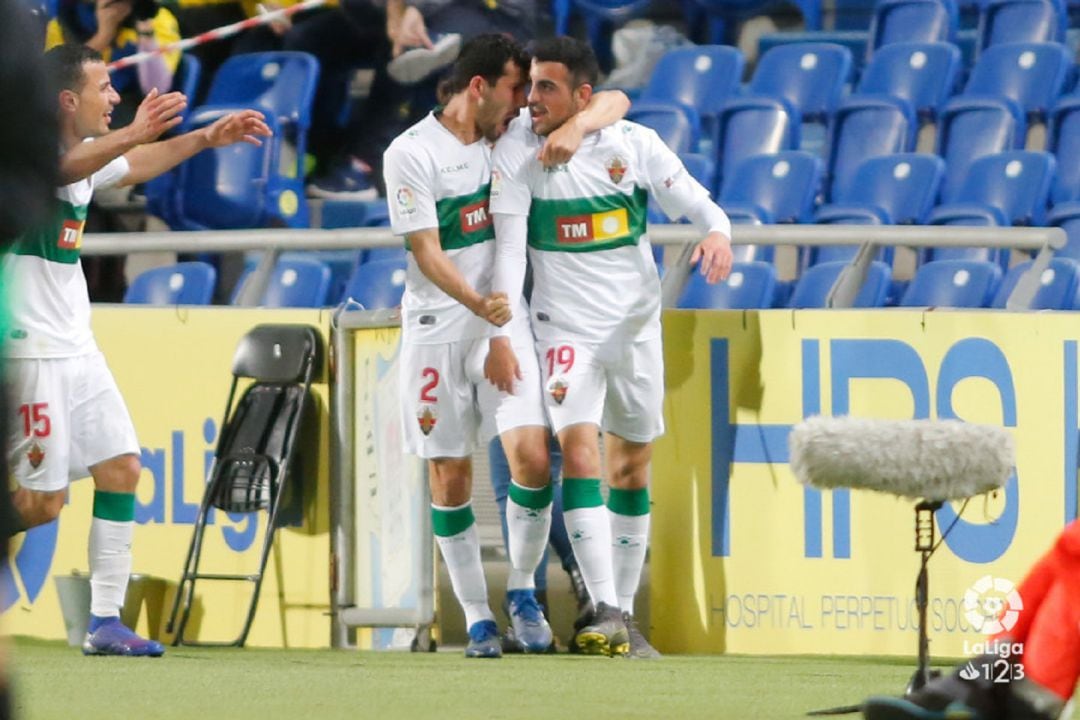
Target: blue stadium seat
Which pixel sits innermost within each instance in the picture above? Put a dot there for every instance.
(754, 126)
(953, 283)
(1010, 188)
(385, 253)
(377, 284)
(1032, 75)
(923, 21)
(243, 186)
(866, 127)
(972, 127)
(342, 264)
(889, 190)
(813, 286)
(1057, 285)
(354, 213)
(703, 77)
(775, 188)
(294, 283)
(810, 77)
(679, 126)
(1063, 139)
(750, 285)
(186, 283)
(924, 74)
(1009, 21)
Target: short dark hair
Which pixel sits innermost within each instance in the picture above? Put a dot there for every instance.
(485, 55)
(577, 56)
(64, 65)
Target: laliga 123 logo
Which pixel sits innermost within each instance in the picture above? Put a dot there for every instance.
(992, 605)
(28, 568)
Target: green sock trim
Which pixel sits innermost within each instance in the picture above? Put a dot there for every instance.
(446, 523)
(118, 507)
(628, 502)
(580, 493)
(532, 498)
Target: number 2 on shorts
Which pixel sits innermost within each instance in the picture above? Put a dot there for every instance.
(433, 379)
(563, 356)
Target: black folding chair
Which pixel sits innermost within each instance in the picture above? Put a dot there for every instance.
(254, 455)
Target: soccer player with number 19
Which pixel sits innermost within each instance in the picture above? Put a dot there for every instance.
(596, 314)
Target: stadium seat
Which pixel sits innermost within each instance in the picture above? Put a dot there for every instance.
(1009, 188)
(244, 186)
(1063, 139)
(865, 127)
(972, 127)
(810, 77)
(703, 77)
(813, 286)
(679, 126)
(953, 283)
(922, 21)
(750, 285)
(889, 190)
(1032, 75)
(1009, 21)
(1057, 285)
(186, 283)
(754, 126)
(924, 74)
(775, 188)
(354, 213)
(377, 284)
(294, 283)
(385, 253)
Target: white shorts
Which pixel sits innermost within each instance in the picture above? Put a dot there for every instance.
(617, 386)
(66, 414)
(446, 400)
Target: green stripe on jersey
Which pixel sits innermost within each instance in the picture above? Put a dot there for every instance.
(464, 220)
(57, 240)
(588, 224)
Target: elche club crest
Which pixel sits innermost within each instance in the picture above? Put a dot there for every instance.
(616, 169)
(992, 605)
(558, 387)
(426, 417)
(35, 455)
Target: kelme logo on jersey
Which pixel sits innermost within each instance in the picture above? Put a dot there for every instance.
(616, 169)
(597, 227)
(70, 235)
(475, 217)
(426, 418)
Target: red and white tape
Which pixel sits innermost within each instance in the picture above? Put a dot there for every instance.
(216, 34)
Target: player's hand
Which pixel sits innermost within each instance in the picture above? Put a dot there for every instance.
(244, 126)
(495, 308)
(561, 145)
(501, 367)
(156, 114)
(410, 32)
(714, 252)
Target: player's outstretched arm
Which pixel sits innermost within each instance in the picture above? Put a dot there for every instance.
(156, 114)
(150, 160)
(604, 108)
(440, 269)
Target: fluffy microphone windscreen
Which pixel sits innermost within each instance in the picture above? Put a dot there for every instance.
(923, 459)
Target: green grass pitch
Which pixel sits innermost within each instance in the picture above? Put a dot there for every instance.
(55, 681)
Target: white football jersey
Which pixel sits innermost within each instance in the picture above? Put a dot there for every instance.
(594, 277)
(43, 280)
(434, 181)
